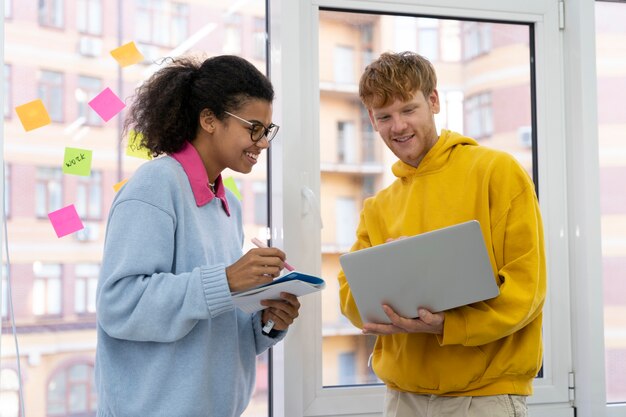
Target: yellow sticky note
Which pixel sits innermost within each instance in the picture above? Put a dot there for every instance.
(127, 54)
(232, 186)
(33, 115)
(134, 147)
(119, 185)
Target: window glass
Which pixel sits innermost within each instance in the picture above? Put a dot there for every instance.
(611, 72)
(9, 393)
(58, 276)
(489, 102)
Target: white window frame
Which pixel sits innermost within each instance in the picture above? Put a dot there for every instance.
(571, 215)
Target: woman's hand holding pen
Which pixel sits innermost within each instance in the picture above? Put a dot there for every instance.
(258, 266)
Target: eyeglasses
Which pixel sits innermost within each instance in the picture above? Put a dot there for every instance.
(258, 130)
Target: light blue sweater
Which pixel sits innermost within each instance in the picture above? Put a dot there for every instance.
(170, 341)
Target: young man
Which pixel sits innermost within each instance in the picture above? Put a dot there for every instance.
(475, 360)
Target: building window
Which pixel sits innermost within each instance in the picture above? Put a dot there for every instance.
(479, 116)
(47, 289)
(346, 148)
(232, 34)
(89, 196)
(369, 138)
(89, 16)
(48, 191)
(259, 189)
(5, 292)
(259, 38)
(347, 368)
(155, 17)
(51, 13)
(72, 392)
(7, 91)
(86, 281)
(7, 191)
(8, 9)
(428, 38)
(50, 90)
(476, 39)
(346, 215)
(9, 393)
(343, 64)
(88, 88)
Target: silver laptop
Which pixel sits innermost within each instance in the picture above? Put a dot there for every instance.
(438, 270)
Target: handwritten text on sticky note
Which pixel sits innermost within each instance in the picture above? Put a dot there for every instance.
(134, 147)
(33, 115)
(127, 54)
(65, 221)
(77, 162)
(107, 104)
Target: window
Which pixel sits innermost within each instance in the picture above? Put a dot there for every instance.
(259, 189)
(611, 82)
(50, 90)
(86, 281)
(259, 38)
(47, 289)
(89, 16)
(71, 392)
(479, 116)
(51, 13)
(343, 64)
(477, 39)
(428, 38)
(49, 190)
(88, 88)
(9, 393)
(7, 91)
(5, 292)
(346, 215)
(232, 34)
(89, 196)
(8, 8)
(162, 22)
(346, 146)
(7, 191)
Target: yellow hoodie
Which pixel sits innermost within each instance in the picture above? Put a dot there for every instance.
(487, 348)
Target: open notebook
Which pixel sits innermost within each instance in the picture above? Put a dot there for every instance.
(438, 270)
(293, 282)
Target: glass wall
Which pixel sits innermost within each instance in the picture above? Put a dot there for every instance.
(59, 52)
(484, 84)
(611, 70)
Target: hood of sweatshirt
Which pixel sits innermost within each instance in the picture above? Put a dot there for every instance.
(436, 158)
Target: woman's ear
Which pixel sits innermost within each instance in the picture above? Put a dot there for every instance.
(207, 120)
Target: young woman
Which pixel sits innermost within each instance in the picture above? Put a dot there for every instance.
(170, 341)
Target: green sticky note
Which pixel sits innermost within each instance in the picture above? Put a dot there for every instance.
(134, 147)
(77, 162)
(232, 186)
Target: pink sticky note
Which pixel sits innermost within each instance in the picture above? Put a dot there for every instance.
(65, 221)
(107, 104)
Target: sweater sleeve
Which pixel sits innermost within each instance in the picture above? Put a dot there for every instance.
(518, 245)
(136, 300)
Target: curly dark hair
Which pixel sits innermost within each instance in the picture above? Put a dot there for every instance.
(167, 106)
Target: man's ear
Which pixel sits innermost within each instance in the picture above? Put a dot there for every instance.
(207, 120)
(372, 119)
(433, 101)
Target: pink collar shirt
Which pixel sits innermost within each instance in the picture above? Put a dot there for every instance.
(191, 162)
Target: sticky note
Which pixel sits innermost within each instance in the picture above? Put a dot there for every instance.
(107, 104)
(33, 115)
(232, 186)
(119, 185)
(65, 221)
(134, 147)
(77, 162)
(127, 54)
